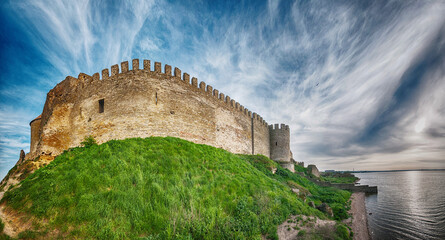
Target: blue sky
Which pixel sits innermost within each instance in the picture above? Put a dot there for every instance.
(361, 83)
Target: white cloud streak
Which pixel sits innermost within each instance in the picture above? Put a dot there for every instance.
(326, 69)
(347, 79)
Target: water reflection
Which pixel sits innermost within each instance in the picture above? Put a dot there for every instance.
(409, 205)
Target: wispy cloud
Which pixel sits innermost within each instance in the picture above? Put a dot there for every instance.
(15, 131)
(361, 83)
(331, 71)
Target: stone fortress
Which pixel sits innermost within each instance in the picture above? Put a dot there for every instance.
(151, 102)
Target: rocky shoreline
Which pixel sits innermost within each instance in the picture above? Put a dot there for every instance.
(359, 216)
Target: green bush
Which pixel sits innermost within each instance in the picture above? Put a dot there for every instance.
(340, 211)
(27, 235)
(88, 142)
(335, 198)
(342, 232)
(339, 177)
(301, 169)
(301, 233)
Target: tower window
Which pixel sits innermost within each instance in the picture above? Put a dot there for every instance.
(276, 143)
(101, 105)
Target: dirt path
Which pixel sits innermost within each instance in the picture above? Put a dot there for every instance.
(290, 228)
(359, 219)
(10, 228)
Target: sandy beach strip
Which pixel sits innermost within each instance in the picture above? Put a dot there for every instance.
(359, 217)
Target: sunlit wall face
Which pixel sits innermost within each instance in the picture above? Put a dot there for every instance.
(359, 83)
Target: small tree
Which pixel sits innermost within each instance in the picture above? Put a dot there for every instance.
(88, 141)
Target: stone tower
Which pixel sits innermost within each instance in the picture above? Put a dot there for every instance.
(35, 126)
(280, 145)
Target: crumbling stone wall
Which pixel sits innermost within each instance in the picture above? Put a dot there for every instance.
(141, 103)
(312, 169)
(35, 135)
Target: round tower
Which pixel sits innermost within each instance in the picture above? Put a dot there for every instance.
(280, 145)
(35, 127)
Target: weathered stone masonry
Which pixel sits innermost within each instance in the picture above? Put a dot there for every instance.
(150, 102)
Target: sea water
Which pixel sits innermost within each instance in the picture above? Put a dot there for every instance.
(409, 204)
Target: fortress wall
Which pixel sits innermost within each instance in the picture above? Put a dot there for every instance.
(232, 123)
(142, 103)
(261, 136)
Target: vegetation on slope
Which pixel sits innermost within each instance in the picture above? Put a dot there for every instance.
(300, 169)
(339, 177)
(163, 188)
(335, 198)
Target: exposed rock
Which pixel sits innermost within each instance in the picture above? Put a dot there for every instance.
(289, 166)
(326, 209)
(22, 156)
(311, 204)
(312, 169)
(289, 229)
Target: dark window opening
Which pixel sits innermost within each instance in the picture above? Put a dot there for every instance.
(101, 105)
(276, 143)
(156, 98)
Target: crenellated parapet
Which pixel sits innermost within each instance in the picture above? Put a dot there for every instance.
(71, 84)
(279, 127)
(115, 71)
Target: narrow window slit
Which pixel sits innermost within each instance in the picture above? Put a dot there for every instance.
(156, 98)
(276, 143)
(101, 105)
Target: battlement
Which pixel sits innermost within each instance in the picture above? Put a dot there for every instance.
(83, 80)
(277, 126)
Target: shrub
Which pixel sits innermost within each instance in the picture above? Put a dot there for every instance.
(88, 142)
(342, 232)
(27, 235)
(2, 226)
(301, 233)
(301, 169)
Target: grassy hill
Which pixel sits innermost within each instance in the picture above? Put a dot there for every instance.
(164, 188)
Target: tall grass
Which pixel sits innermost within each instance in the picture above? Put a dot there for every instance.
(335, 198)
(158, 188)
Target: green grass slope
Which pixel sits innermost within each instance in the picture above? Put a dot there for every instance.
(163, 188)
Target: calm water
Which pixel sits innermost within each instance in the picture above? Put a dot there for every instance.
(409, 205)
